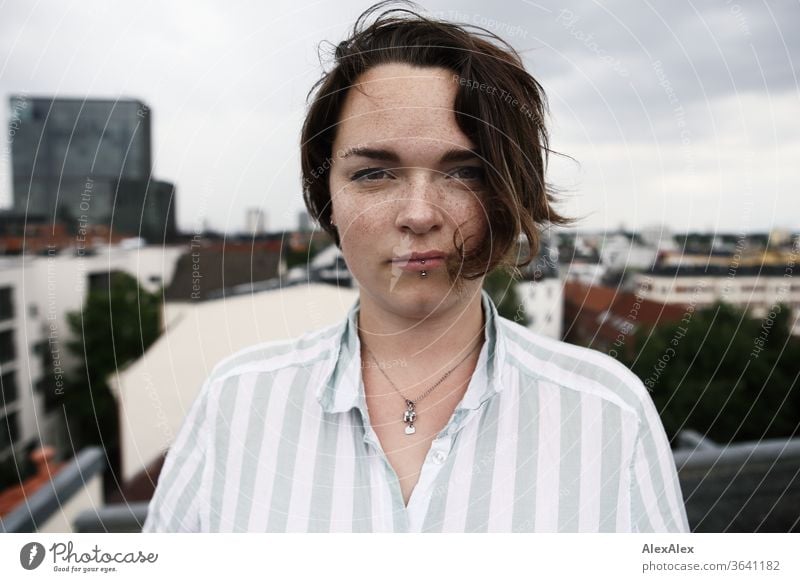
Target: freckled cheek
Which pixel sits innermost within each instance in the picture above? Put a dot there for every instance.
(367, 226)
(363, 243)
(361, 225)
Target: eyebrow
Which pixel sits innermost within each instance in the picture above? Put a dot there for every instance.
(386, 155)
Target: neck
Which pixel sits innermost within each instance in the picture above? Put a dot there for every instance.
(420, 348)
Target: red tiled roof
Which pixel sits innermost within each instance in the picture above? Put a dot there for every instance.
(597, 299)
(590, 297)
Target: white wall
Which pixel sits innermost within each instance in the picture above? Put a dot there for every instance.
(156, 391)
(618, 252)
(544, 303)
(757, 294)
(90, 496)
(587, 273)
(45, 289)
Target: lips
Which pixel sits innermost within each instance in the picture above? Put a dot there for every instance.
(419, 256)
(420, 261)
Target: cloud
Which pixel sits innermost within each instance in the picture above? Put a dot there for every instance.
(626, 81)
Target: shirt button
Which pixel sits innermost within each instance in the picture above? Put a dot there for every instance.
(439, 457)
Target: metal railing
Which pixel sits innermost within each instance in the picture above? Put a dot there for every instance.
(743, 487)
(118, 518)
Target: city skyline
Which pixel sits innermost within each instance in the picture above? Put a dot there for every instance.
(679, 117)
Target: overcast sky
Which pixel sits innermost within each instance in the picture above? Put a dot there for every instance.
(685, 114)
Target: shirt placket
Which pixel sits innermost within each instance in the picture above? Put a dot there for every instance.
(442, 448)
(417, 509)
(395, 514)
(412, 518)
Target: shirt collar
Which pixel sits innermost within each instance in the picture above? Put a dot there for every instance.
(342, 387)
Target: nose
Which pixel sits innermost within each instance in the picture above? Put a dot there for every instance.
(419, 212)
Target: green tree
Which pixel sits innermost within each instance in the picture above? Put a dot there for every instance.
(115, 327)
(502, 288)
(723, 374)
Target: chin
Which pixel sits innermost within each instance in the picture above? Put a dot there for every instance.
(419, 298)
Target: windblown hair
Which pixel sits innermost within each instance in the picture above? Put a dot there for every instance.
(499, 106)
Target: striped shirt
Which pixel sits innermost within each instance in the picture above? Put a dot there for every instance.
(547, 437)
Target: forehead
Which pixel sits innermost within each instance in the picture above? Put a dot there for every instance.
(401, 102)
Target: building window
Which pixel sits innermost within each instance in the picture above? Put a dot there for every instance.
(6, 304)
(8, 388)
(7, 351)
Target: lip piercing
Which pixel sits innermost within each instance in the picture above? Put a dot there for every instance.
(423, 273)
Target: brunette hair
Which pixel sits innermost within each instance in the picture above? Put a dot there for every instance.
(499, 106)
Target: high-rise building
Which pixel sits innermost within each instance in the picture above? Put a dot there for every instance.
(303, 221)
(88, 161)
(255, 222)
(146, 209)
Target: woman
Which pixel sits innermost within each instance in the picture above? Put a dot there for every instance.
(423, 156)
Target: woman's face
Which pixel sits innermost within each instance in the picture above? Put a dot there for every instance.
(404, 180)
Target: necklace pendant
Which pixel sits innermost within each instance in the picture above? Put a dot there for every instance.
(409, 417)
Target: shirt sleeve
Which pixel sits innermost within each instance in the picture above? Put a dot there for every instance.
(176, 501)
(656, 500)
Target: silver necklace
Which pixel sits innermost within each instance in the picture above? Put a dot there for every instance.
(410, 413)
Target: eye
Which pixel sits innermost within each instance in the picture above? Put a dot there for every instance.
(369, 175)
(468, 173)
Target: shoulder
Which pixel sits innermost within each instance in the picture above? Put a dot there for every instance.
(303, 351)
(573, 367)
